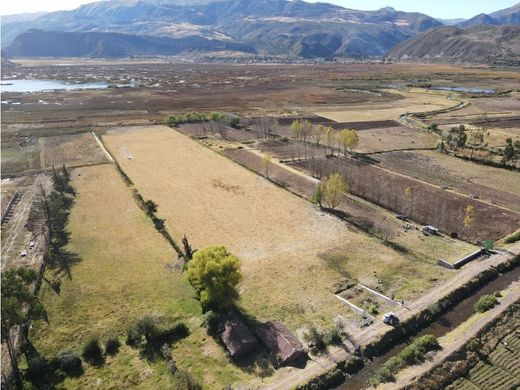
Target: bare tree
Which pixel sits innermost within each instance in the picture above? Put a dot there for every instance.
(266, 125)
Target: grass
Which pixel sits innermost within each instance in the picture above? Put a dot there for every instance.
(291, 253)
(123, 276)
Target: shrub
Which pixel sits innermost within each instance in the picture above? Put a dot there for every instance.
(112, 344)
(373, 309)
(332, 337)
(210, 319)
(315, 339)
(148, 327)
(512, 238)
(184, 381)
(485, 303)
(133, 336)
(37, 369)
(69, 362)
(92, 351)
(497, 294)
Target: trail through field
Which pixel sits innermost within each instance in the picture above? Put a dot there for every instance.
(15, 236)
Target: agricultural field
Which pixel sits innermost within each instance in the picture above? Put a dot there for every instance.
(313, 245)
(490, 184)
(413, 100)
(42, 153)
(212, 185)
(123, 274)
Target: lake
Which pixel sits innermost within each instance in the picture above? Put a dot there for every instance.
(36, 85)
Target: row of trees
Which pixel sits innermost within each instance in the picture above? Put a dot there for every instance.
(321, 135)
(20, 286)
(197, 117)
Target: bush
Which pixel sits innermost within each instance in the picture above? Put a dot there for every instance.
(512, 238)
(133, 336)
(92, 351)
(69, 362)
(412, 354)
(112, 344)
(373, 309)
(485, 303)
(210, 319)
(37, 369)
(184, 381)
(315, 339)
(497, 294)
(332, 337)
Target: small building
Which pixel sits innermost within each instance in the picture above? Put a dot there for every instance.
(236, 336)
(281, 342)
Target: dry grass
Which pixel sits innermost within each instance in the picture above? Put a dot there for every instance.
(394, 138)
(291, 253)
(71, 150)
(413, 101)
(121, 277)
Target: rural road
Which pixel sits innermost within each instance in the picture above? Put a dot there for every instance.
(293, 377)
(450, 346)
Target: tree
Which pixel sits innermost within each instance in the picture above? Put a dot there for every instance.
(266, 125)
(318, 134)
(476, 138)
(469, 216)
(19, 306)
(331, 140)
(214, 273)
(456, 137)
(408, 200)
(333, 190)
(266, 162)
(347, 139)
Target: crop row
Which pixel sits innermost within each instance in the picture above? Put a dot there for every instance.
(491, 377)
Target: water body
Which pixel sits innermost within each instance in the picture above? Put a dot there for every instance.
(36, 85)
(446, 323)
(464, 89)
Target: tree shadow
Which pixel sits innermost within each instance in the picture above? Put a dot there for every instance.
(62, 262)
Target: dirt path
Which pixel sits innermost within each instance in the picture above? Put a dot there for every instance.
(409, 375)
(15, 236)
(293, 377)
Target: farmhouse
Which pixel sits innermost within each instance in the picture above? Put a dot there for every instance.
(279, 340)
(236, 336)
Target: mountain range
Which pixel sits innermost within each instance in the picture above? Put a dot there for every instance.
(122, 28)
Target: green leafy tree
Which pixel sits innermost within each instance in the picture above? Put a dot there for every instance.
(19, 306)
(214, 273)
(333, 190)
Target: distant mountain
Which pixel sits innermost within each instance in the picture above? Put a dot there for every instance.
(451, 22)
(509, 15)
(503, 17)
(294, 28)
(479, 20)
(37, 43)
(479, 44)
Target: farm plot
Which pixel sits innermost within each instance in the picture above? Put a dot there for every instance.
(491, 184)
(361, 214)
(487, 376)
(425, 203)
(71, 150)
(394, 138)
(413, 101)
(284, 243)
(123, 274)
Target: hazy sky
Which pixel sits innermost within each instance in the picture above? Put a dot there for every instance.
(435, 8)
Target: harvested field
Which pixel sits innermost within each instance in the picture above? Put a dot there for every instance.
(361, 214)
(236, 208)
(123, 274)
(70, 150)
(494, 185)
(427, 204)
(39, 153)
(394, 138)
(413, 101)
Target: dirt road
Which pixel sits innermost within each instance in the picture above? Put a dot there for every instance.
(294, 377)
